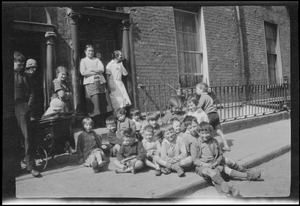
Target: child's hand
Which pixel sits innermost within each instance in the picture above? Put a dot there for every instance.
(208, 165)
(199, 110)
(123, 167)
(177, 159)
(214, 165)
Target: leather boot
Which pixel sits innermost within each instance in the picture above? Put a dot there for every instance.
(238, 168)
(178, 169)
(217, 179)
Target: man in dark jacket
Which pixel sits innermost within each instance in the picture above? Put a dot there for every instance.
(23, 96)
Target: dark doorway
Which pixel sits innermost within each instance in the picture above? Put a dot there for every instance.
(31, 45)
(104, 34)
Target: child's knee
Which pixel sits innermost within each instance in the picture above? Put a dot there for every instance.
(138, 164)
(156, 159)
(186, 162)
(229, 162)
(117, 163)
(189, 160)
(117, 147)
(208, 172)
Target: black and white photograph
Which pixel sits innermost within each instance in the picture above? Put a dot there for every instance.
(150, 102)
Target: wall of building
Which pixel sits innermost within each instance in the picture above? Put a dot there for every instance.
(154, 42)
(154, 45)
(64, 39)
(223, 45)
(254, 20)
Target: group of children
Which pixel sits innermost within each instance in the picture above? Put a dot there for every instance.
(180, 141)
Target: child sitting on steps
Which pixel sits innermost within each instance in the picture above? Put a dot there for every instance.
(89, 146)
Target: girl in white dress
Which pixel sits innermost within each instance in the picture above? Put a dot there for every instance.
(114, 71)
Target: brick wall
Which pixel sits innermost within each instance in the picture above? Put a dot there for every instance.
(154, 42)
(254, 19)
(154, 45)
(223, 46)
(63, 40)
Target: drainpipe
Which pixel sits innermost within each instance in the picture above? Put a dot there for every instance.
(132, 66)
(75, 61)
(241, 40)
(127, 50)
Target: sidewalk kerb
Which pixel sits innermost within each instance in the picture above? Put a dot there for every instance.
(189, 189)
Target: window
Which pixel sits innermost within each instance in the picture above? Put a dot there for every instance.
(189, 49)
(272, 56)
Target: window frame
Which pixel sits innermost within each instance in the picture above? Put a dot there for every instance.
(277, 70)
(198, 70)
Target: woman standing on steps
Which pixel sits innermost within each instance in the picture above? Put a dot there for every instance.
(97, 99)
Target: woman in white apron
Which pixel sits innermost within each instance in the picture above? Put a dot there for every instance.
(114, 71)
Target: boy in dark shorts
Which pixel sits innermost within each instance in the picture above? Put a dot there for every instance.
(206, 104)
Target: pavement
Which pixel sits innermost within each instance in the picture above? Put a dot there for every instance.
(249, 147)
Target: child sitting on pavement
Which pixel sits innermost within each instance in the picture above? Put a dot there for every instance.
(173, 151)
(131, 155)
(201, 116)
(123, 122)
(113, 136)
(209, 161)
(152, 120)
(136, 117)
(153, 149)
(175, 110)
(191, 134)
(206, 104)
(89, 146)
(178, 126)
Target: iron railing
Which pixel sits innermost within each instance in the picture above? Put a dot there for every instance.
(233, 102)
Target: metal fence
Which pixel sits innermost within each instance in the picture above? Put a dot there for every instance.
(233, 102)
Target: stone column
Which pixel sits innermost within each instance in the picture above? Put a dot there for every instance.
(50, 35)
(77, 96)
(127, 63)
(125, 42)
